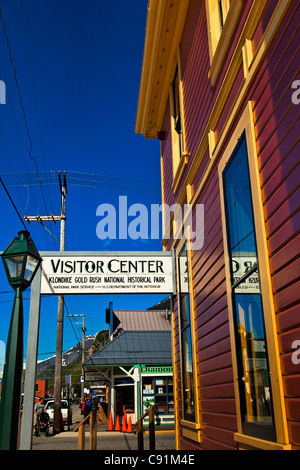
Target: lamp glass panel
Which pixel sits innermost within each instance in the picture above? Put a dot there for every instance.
(30, 267)
(15, 264)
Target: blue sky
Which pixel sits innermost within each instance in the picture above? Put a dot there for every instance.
(78, 67)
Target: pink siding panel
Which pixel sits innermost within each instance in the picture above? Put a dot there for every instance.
(276, 127)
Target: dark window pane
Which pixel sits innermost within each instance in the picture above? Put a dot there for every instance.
(188, 379)
(254, 374)
(252, 360)
(186, 343)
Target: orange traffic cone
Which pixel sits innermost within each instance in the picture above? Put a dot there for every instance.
(124, 423)
(129, 427)
(117, 427)
(110, 424)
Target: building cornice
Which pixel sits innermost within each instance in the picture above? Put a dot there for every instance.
(164, 27)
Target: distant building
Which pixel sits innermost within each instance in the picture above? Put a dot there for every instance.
(137, 364)
(220, 90)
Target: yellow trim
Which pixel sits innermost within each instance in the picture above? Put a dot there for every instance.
(247, 443)
(235, 64)
(179, 155)
(153, 58)
(181, 104)
(189, 193)
(175, 372)
(181, 166)
(219, 40)
(162, 191)
(154, 17)
(151, 63)
(247, 53)
(189, 429)
(247, 123)
(176, 151)
(211, 143)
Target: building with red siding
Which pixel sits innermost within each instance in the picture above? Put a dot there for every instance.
(220, 89)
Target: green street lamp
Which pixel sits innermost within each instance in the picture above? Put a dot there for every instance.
(21, 261)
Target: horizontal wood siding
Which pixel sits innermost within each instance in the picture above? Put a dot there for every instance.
(277, 134)
(277, 131)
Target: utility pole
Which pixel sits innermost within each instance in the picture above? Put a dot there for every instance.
(60, 319)
(60, 312)
(83, 348)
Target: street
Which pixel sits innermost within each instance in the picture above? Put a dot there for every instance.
(106, 440)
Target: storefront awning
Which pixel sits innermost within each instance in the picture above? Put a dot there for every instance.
(134, 347)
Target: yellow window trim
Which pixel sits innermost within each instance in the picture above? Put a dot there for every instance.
(248, 443)
(246, 124)
(180, 158)
(208, 139)
(181, 165)
(190, 429)
(219, 40)
(175, 372)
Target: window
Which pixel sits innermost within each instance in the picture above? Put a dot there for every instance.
(222, 17)
(188, 378)
(248, 312)
(176, 112)
(217, 13)
(223, 11)
(158, 390)
(179, 153)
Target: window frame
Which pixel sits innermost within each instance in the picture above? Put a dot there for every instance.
(248, 376)
(179, 151)
(190, 429)
(246, 124)
(219, 36)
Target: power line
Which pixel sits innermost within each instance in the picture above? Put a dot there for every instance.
(82, 179)
(10, 198)
(31, 154)
(33, 92)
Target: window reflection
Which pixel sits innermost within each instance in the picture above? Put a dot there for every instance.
(254, 384)
(186, 343)
(253, 359)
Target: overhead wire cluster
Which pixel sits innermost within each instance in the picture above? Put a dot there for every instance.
(31, 153)
(77, 178)
(43, 179)
(33, 177)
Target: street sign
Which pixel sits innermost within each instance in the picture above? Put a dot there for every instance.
(123, 273)
(68, 380)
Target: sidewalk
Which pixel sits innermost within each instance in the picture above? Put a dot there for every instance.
(106, 440)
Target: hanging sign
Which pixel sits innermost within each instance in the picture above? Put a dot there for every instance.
(93, 376)
(113, 273)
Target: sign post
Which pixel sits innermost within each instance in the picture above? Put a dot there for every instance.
(100, 273)
(64, 273)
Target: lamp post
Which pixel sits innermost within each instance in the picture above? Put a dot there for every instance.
(21, 260)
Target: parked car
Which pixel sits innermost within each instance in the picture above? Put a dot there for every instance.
(64, 410)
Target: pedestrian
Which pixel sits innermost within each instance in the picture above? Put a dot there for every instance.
(87, 407)
(94, 404)
(39, 408)
(81, 406)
